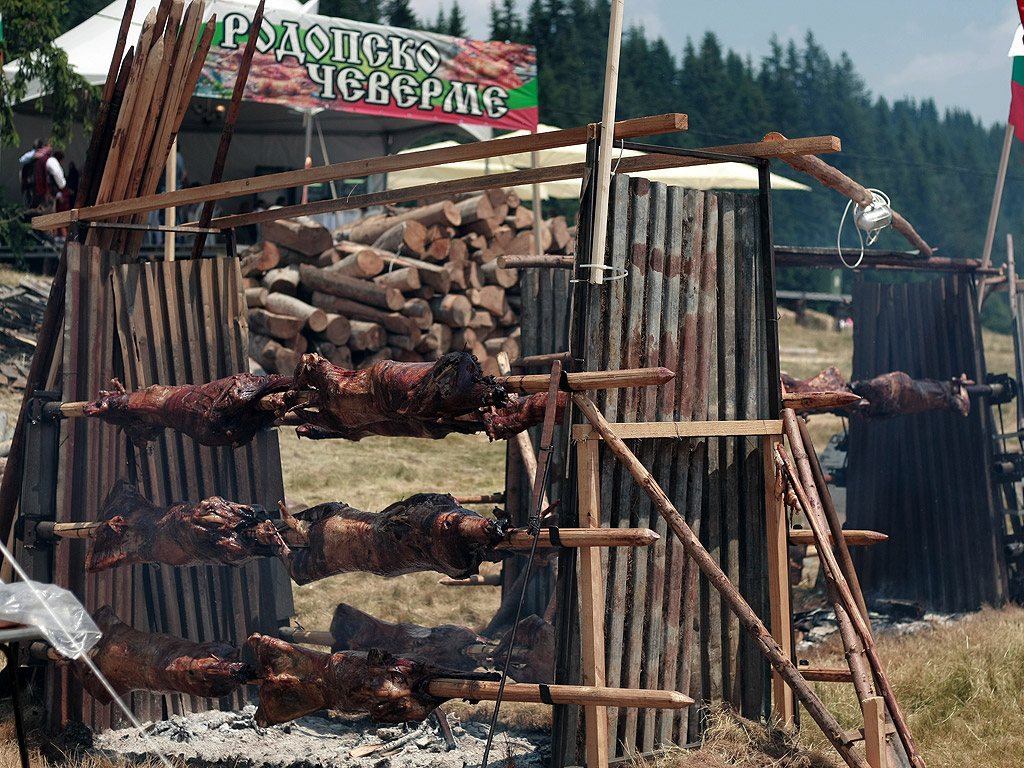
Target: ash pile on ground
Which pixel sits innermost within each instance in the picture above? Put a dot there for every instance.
(233, 740)
(894, 617)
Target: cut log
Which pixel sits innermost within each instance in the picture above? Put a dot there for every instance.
(406, 237)
(419, 310)
(512, 199)
(474, 209)
(463, 338)
(364, 263)
(521, 218)
(444, 212)
(401, 342)
(282, 304)
(282, 280)
(490, 297)
(493, 274)
(524, 241)
(438, 250)
(256, 297)
(260, 257)
(393, 321)
(301, 234)
(457, 274)
(277, 326)
(366, 337)
(345, 231)
(502, 344)
(489, 253)
(273, 356)
(438, 338)
(457, 250)
(454, 310)
(474, 241)
(322, 259)
(337, 329)
(340, 356)
(434, 275)
(560, 235)
(406, 356)
(497, 196)
(403, 279)
(486, 227)
(297, 344)
(482, 320)
(365, 292)
(473, 277)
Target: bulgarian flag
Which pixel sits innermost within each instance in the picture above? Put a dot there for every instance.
(1016, 52)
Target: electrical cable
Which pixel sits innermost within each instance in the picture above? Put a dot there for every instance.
(83, 654)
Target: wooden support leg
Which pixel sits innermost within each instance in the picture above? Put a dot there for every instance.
(874, 731)
(778, 581)
(592, 601)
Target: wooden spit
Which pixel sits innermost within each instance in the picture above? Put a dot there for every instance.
(516, 539)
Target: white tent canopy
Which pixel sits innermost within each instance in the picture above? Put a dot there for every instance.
(709, 176)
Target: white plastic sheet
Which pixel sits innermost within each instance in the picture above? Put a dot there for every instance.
(56, 612)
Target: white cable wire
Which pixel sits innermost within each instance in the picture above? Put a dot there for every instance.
(83, 654)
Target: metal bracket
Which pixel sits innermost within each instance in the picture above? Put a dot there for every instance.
(1008, 467)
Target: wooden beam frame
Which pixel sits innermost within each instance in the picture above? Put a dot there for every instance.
(631, 431)
(259, 184)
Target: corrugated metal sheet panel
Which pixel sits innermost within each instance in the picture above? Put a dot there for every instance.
(924, 479)
(690, 301)
(168, 323)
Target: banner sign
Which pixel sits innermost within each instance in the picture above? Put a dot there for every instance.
(304, 60)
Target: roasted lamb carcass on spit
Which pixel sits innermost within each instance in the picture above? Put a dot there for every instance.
(213, 532)
(426, 532)
(893, 394)
(389, 398)
(223, 412)
(450, 645)
(133, 660)
(296, 681)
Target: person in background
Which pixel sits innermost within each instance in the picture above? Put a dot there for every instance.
(41, 175)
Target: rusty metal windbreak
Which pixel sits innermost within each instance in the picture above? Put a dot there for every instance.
(695, 299)
(924, 479)
(167, 323)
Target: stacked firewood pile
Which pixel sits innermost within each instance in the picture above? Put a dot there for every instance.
(408, 285)
(21, 314)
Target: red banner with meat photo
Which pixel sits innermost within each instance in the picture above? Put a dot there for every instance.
(304, 60)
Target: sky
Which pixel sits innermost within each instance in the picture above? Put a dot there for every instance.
(950, 51)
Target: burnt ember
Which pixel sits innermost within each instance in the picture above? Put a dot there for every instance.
(297, 681)
(222, 412)
(390, 398)
(213, 531)
(426, 532)
(144, 661)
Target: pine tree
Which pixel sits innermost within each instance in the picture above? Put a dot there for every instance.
(356, 10)
(399, 13)
(456, 26)
(505, 22)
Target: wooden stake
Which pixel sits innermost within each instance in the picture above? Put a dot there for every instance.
(604, 155)
(486, 690)
(857, 538)
(833, 731)
(834, 574)
(819, 401)
(229, 125)
(590, 380)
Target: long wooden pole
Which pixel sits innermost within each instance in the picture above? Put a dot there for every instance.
(833, 731)
(604, 155)
(838, 536)
(588, 380)
(834, 573)
(487, 690)
(997, 197)
(229, 125)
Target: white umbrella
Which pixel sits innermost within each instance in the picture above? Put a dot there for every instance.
(709, 176)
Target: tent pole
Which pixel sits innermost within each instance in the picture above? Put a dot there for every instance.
(604, 157)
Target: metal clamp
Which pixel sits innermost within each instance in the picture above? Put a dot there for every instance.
(623, 272)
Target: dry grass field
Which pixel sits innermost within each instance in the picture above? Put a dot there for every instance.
(960, 686)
